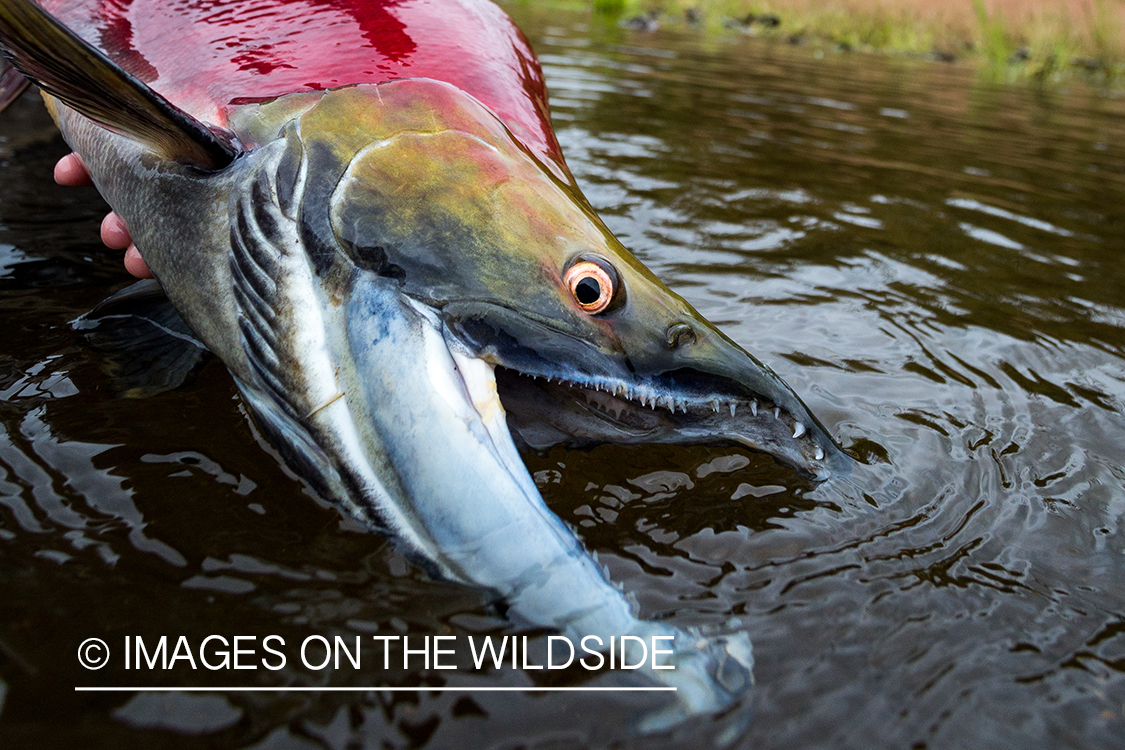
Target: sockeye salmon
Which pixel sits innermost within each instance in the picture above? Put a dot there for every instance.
(360, 207)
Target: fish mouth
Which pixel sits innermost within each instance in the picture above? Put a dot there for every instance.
(545, 409)
(557, 388)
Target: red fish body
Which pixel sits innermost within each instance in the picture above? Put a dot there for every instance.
(209, 56)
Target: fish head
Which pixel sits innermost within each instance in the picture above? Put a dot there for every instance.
(587, 343)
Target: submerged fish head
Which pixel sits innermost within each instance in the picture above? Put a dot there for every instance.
(588, 344)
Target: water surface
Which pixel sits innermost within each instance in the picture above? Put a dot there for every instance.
(933, 263)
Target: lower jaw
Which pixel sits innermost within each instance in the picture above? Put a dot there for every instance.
(542, 414)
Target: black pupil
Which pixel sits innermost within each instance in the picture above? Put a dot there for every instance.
(588, 290)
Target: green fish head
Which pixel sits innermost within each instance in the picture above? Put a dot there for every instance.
(424, 186)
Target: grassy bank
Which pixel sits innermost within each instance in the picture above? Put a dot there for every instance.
(1045, 39)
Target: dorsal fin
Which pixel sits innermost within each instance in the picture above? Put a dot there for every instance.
(78, 74)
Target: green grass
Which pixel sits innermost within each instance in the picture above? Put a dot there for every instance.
(995, 44)
(1058, 40)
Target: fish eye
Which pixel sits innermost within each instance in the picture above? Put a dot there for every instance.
(592, 284)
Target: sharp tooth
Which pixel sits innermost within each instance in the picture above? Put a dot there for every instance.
(818, 454)
(776, 413)
(732, 408)
(683, 406)
(798, 429)
(715, 405)
(754, 407)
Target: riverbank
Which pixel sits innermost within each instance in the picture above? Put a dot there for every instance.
(1038, 39)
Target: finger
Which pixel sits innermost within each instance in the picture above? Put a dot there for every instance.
(71, 171)
(115, 234)
(135, 264)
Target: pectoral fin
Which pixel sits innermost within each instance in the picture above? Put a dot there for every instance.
(146, 347)
(68, 68)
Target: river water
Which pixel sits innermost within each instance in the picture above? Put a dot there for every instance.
(934, 262)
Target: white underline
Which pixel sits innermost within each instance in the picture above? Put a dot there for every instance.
(375, 689)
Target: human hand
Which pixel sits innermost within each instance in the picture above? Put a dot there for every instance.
(70, 170)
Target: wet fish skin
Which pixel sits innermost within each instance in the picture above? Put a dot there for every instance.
(364, 267)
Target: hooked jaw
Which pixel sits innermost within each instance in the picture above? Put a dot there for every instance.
(545, 410)
(695, 387)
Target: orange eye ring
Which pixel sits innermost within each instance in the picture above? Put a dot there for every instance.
(591, 284)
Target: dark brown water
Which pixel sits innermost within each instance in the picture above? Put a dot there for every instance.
(936, 265)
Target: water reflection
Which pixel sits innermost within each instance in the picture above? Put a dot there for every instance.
(933, 264)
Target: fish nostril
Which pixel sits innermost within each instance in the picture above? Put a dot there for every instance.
(680, 334)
